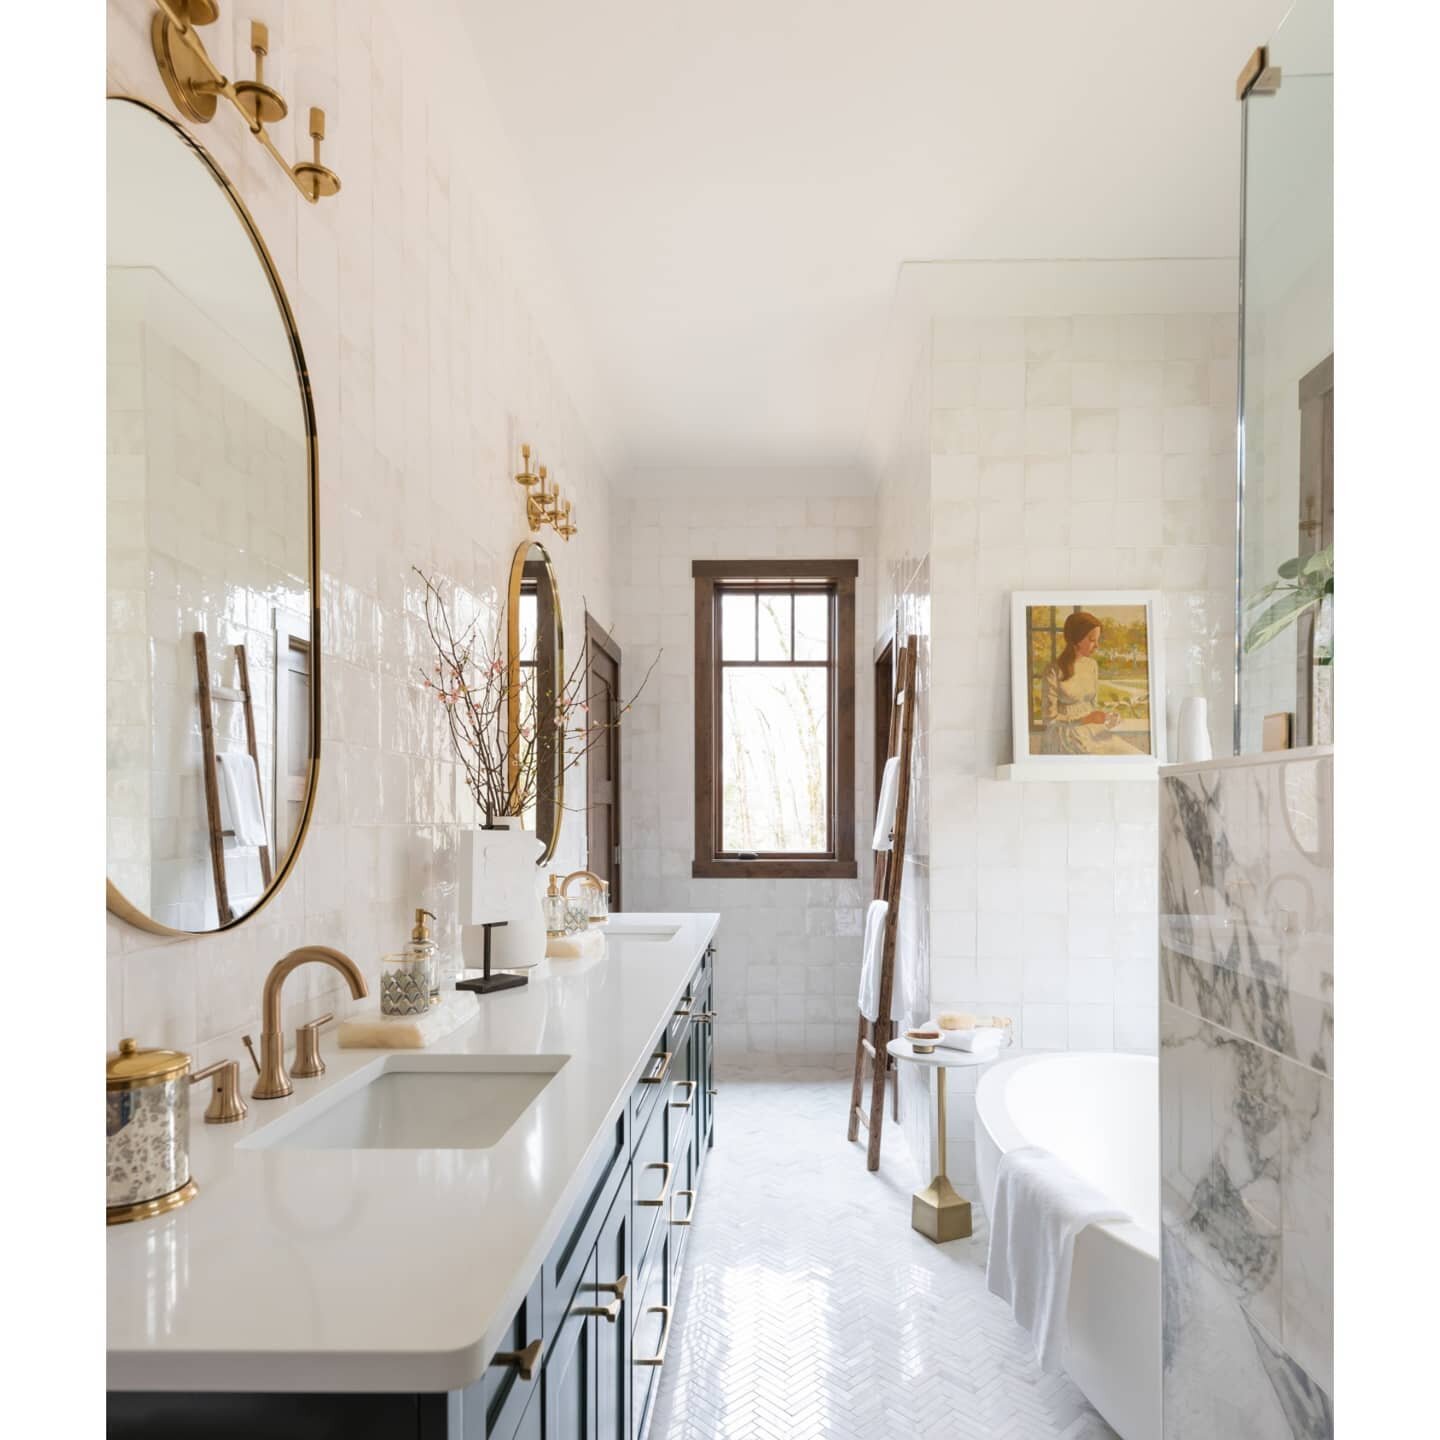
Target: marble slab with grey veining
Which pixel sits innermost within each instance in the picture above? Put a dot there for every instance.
(1246, 1082)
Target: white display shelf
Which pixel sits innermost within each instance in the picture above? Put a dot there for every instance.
(1079, 770)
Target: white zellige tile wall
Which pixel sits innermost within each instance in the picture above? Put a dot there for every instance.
(428, 368)
(789, 975)
(1085, 450)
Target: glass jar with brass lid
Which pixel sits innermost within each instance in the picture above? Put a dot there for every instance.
(147, 1132)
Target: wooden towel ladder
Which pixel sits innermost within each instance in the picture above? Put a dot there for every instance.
(873, 1037)
(209, 694)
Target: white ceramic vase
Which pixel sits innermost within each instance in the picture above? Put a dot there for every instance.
(1194, 728)
(500, 881)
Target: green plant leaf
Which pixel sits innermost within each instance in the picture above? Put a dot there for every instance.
(1288, 569)
(1282, 614)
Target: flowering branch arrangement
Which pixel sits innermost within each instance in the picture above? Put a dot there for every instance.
(509, 766)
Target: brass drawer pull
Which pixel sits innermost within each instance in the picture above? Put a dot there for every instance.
(690, 1212)
(664, 1057)
(611, 1312)
(664, 1194)
(524, 1360)
(690, 1087)
(707, 1017)
(689, 1006)
(658, 1359)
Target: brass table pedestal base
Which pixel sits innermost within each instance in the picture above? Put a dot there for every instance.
(938, 1213)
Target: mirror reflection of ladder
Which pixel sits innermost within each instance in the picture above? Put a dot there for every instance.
(874, 1036)
(209, 693)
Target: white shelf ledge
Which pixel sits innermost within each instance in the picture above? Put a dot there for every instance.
(1066, 770)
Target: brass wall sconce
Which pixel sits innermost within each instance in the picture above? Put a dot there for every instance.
(543, 505)
(196, 86)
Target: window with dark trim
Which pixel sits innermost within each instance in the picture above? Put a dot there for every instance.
(775, 718)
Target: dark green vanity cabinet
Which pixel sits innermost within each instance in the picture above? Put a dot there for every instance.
(590, 1338)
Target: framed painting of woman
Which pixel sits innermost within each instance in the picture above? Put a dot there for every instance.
(1088, 677)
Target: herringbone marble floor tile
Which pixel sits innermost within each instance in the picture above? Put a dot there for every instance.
(810, 1310)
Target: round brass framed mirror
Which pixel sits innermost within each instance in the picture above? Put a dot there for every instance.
(535, 660)
(212, 574)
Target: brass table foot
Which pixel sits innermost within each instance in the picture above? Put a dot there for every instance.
(938, 1213)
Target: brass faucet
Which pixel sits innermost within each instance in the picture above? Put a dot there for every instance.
(274, 1083)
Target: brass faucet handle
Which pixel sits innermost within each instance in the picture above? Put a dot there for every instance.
(225, 1102)
(308, 1061)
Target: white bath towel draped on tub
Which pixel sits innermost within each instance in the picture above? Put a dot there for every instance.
(1041, 1205)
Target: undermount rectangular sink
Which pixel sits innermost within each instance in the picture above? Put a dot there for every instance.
(464, 1102)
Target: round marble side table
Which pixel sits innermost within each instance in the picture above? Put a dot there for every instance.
(937, 1211)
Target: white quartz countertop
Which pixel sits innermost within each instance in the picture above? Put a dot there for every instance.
(390, 1270)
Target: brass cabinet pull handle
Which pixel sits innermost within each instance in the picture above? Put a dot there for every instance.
(524, 1360)
(664, 1057)
(689, 1213)
(712, 1093)
(707, 1017)
(689, 1006)
(664, 1195)
(658, 1359)
(611, 1311)
(690, 1086)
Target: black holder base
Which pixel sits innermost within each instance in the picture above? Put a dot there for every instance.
(484, 984)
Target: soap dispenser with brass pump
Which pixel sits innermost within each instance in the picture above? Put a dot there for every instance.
(553, 905)
(422, 949)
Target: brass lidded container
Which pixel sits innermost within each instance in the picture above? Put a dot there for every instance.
(147, 1133)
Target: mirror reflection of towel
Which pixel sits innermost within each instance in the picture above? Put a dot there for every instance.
(240, 809)
(885, 810)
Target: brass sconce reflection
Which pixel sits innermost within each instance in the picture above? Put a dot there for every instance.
(196, 86)
(543, 505)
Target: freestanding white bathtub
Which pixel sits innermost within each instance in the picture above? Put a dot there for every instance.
(1100, 1114)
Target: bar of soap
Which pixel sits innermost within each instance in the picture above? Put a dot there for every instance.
(953, 1020)
(370, 1030)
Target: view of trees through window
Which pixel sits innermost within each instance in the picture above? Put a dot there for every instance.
(775, 657)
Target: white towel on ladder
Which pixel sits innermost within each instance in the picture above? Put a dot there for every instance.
(240, 809)
(885, 810)
(872, 963)
(1041, 1205)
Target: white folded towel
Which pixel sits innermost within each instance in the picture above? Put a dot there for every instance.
(982, 1037)
(885, 810)
(1041, 1205)
(870, 965)
(240, 809)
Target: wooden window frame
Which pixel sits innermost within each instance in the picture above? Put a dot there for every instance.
(709, 862)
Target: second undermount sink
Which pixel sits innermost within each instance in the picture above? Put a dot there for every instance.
(416, 1102)
(641, 931)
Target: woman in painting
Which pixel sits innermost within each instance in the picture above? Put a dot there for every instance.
(1074, 723)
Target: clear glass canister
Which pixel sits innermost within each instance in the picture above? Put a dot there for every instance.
(405, 983)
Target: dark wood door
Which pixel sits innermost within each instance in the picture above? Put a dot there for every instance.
(602, 764)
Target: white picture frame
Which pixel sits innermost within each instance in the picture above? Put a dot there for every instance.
(1133, 699)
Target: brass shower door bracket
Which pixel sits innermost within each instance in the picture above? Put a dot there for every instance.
(196, 86)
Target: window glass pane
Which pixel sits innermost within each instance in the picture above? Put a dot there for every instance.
(737, 627)
(812, 627)
(774, 627)
(529, 608)
(774, 775)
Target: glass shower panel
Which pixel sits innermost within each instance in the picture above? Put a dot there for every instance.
(1287, 381)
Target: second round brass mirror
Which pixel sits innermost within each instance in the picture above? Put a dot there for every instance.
(535, 655)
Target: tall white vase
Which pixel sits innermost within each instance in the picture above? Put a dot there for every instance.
(1194, 728)
(500, 881)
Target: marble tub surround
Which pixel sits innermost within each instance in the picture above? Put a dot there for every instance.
(1247, 1095)
(323, 1232)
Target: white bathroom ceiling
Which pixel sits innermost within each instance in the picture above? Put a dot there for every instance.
(731, 188)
